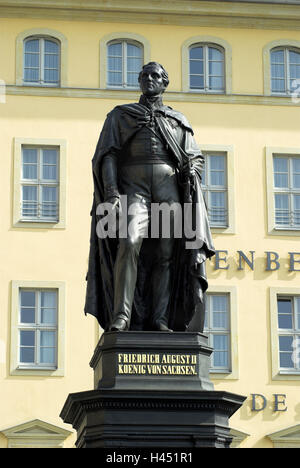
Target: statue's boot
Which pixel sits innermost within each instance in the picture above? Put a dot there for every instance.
(119, 324)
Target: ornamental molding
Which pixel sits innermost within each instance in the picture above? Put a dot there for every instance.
(259, 15)
(171, 96)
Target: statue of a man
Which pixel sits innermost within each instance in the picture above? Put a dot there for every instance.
(146, 152)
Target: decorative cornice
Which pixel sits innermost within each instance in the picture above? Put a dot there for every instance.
(283, 15)
(77, 404)
(132, 96)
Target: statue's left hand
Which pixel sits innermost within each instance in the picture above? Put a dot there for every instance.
(188, 171)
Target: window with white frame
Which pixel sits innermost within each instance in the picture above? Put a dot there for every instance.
(287, 191)
(38, 319)
(40, 184)
(217, 327)
(214, 186)
(41, 61)
(124, 63)
(206, 68)
(285, 69)
(288, 310)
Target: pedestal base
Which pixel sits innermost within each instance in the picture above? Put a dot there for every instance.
(152, 389)
(142, 419)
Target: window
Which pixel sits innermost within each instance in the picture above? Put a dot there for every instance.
(285, 68)
(287, 191)
(206, 68)
(38, 311)
(37, 342)
(288, 311)
(124, 63)
(41, 61)
(214, 186)
(39, 180)
(217, 327)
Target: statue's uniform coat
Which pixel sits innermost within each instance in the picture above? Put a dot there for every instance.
(189, 282)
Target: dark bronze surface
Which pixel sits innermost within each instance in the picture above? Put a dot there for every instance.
(147, 152)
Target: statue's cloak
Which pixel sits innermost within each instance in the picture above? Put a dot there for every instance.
(189, 277)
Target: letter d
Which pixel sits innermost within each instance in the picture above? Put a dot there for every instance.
(254, 407)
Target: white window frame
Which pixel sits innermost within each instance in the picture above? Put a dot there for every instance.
(266, 56)
(207, 188)
(286, 49)
(206, 75)
(124, 43)
(18, 220)
(295, 333)
(119, 37)
(17, 368)
(233, 372)
(287, 191)
(270, 152)
(39, 183)
(38, 327)
(41, 32)
(277, 372)
(185, 63)
(210, 331)
(41, 81)
(228, 152)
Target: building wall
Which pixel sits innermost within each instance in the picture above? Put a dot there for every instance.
(245, 120)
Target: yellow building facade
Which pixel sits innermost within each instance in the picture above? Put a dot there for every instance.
(234, 70)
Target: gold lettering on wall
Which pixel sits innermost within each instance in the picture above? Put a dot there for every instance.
(157, 364)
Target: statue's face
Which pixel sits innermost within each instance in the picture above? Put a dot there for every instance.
(151, 81)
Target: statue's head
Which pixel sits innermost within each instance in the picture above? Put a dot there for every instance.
(153, 79)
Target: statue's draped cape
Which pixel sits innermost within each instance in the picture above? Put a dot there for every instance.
(189, 277)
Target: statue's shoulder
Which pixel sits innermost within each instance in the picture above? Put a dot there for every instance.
(178, 118)
(125, 108)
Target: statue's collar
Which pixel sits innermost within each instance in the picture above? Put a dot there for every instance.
(152, 103)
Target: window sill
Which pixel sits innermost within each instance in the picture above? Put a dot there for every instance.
(46, 221)
(223, 375)
(41, 85)
(284, 231)
(37, 371)
(39, 224)
(287, 375)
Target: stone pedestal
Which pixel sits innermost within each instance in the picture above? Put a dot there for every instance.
(151, 389)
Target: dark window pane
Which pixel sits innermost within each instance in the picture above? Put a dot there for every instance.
(285, 321)
(196, 67)
(115, 49)
(286, 360)
(27, 338)
(277, 56)
(28, 299)
(134, 51)
(27, 315)
(214, 54)
(284, 306)
(31, 75)
(27, 355)
(196, 53)
(196, 82)
(285, 343)
(294, 56)
(278, 86)
(51, 47)
(32, 45)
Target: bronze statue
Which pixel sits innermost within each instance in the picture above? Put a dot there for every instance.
(146, 152)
